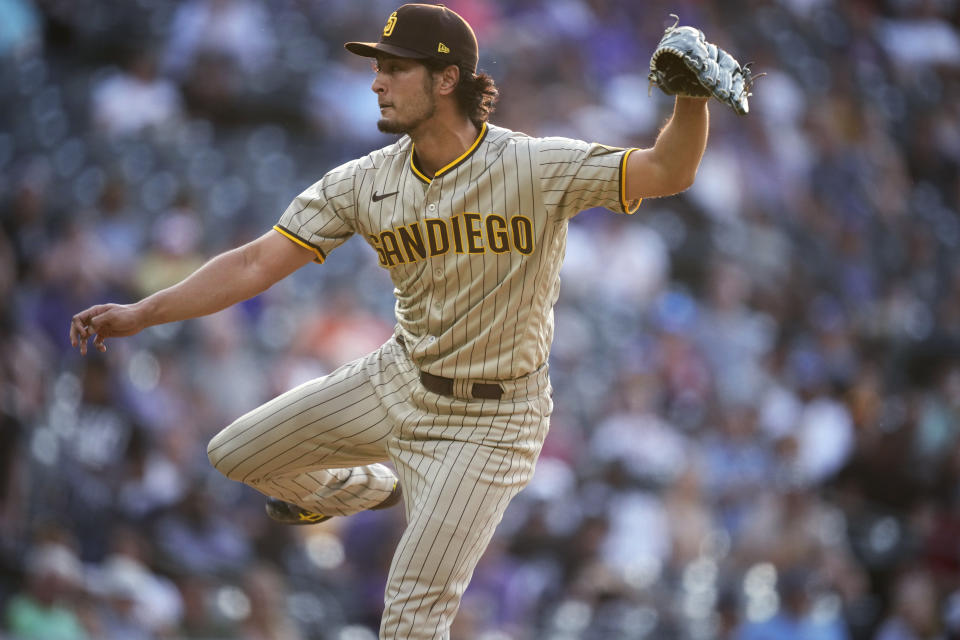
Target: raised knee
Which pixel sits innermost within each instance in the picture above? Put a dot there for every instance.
(217, 453)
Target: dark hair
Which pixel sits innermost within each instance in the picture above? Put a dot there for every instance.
(476, 93)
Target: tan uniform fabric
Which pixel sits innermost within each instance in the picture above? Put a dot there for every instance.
(459, 461)
(474, 255)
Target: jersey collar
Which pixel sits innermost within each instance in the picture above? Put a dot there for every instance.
(466, 154)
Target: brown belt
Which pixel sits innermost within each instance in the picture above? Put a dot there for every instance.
(444, 386)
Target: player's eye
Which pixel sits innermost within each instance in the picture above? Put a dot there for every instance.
(389, 66)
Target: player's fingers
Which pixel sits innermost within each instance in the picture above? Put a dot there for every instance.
(99, 344)
(96, 324)
(104, 325)
(78, 336)
(81, 328)
(77, 329)
(80, 323)
(101, 318)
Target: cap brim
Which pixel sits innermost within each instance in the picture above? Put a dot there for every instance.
(371, 49)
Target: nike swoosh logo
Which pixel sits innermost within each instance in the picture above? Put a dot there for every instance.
(378, 197)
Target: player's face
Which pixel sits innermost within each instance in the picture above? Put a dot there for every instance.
(404, 91)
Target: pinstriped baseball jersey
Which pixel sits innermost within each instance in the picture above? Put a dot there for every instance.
(475, 252)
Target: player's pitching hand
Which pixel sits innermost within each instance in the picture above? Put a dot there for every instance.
(104, 321)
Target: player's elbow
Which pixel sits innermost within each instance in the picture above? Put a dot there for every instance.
(653, 177)
(680, 177)
(673, 183)
(685, 180)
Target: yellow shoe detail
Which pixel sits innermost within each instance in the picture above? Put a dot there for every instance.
(306, 516)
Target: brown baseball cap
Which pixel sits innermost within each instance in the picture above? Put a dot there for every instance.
(424, 31)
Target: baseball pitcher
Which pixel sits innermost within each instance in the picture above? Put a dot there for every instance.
(470, 219)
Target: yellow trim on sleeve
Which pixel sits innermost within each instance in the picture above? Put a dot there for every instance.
(623, 186)
(463, 156)
(303, 243)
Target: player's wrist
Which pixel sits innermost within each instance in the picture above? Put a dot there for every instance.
(691, 102)
(689, 105)
(145, 312)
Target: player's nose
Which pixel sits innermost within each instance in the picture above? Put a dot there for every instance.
(378, 86)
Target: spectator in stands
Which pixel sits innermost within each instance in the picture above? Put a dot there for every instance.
(47, 607)
(135, 99)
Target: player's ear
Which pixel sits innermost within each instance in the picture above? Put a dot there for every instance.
(449, 78)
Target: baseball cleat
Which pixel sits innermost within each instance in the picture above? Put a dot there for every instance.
(289, 513)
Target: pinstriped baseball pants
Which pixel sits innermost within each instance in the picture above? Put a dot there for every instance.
(459, 460)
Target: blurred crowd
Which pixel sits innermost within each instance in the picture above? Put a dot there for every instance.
(757, 382)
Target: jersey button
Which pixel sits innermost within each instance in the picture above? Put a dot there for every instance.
(431, 207)
(438, 272)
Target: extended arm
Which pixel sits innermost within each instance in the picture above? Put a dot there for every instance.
(670, 166)
(230, 277)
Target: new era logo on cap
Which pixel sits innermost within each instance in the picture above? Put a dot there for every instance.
(424, 31)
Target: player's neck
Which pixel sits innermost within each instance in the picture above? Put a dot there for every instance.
(441, 141)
